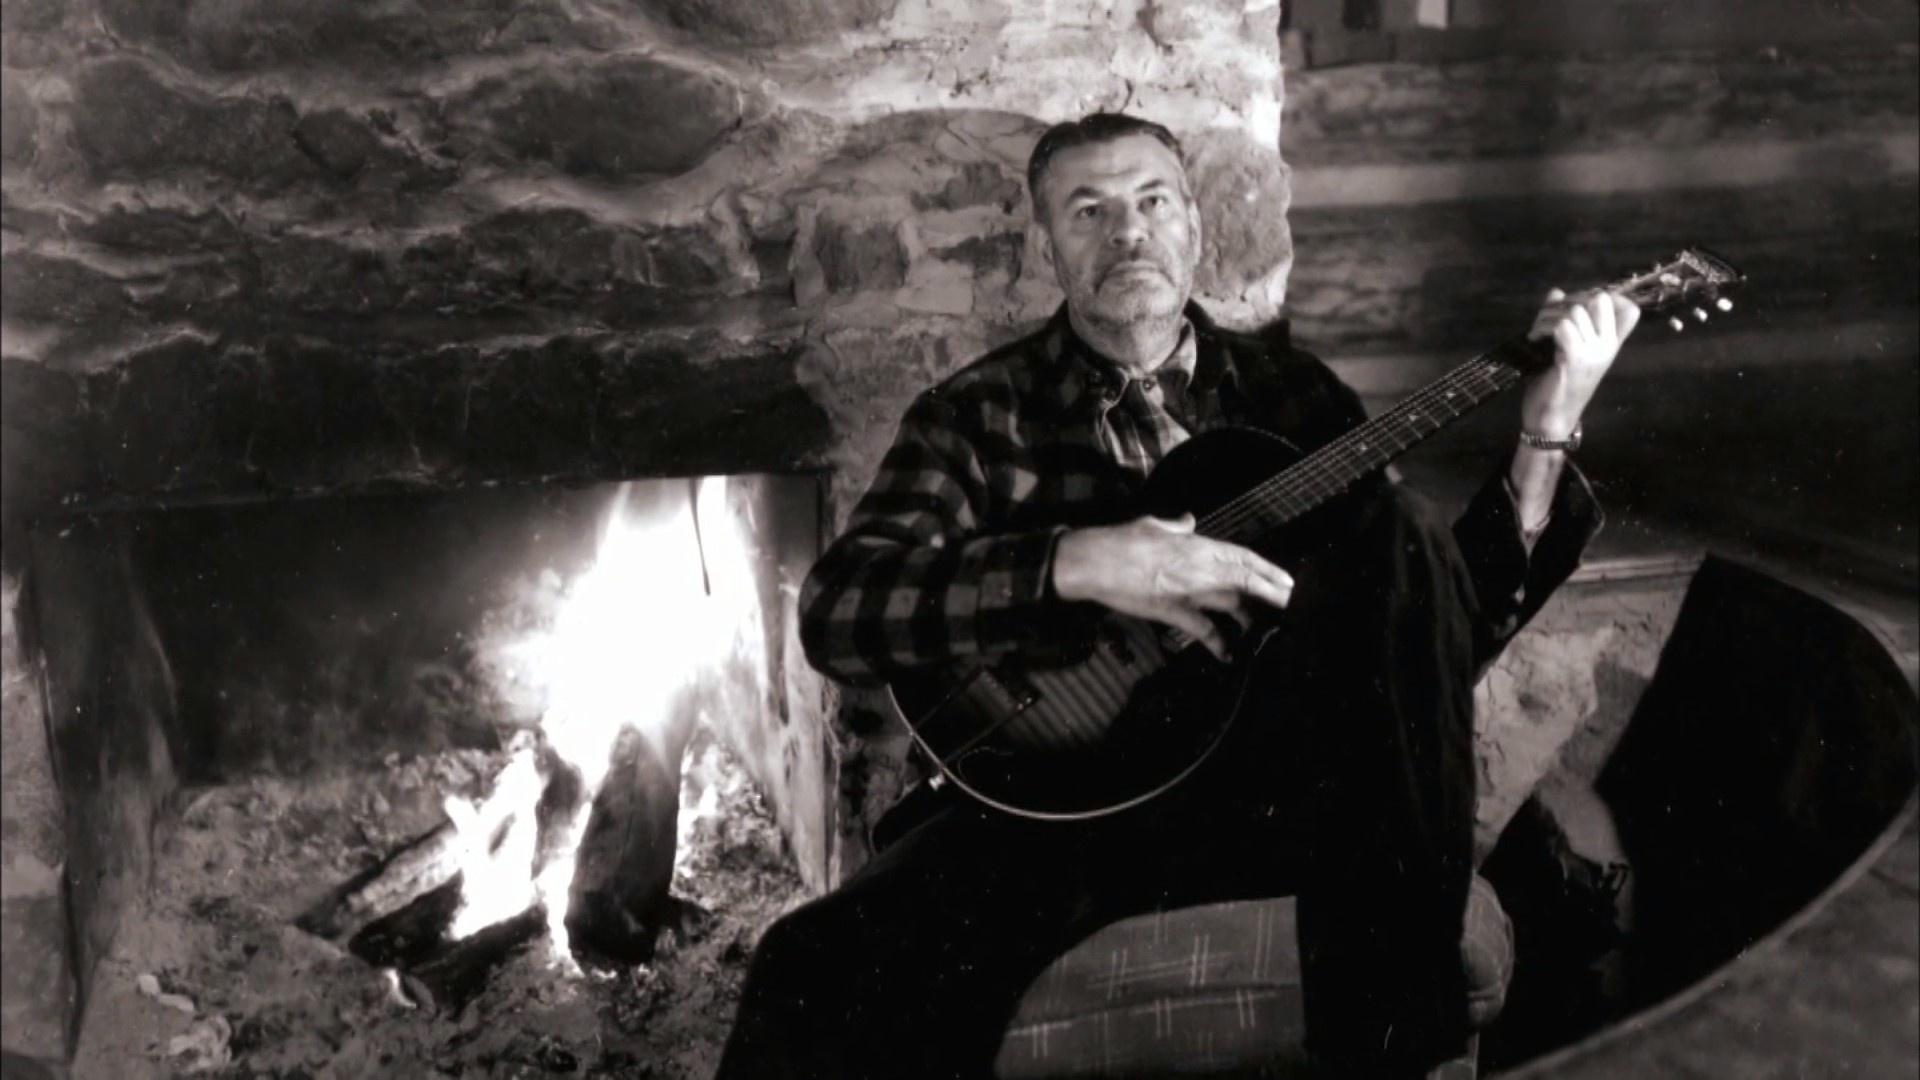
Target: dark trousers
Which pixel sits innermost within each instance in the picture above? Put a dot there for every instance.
(1348, 780)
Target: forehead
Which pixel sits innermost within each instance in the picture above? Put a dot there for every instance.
(1122, 164)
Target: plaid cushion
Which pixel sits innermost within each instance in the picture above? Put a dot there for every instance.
(1203, 989)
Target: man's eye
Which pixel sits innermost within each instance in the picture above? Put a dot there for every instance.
(1087, 212)
(1153, 202)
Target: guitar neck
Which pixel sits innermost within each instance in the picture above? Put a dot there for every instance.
(1368, 448)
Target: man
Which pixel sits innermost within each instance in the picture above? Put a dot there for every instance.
(999, 523)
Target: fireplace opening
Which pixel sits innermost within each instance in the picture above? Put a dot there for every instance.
(490, 782)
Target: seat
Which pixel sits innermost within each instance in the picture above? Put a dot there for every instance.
(1209, 990)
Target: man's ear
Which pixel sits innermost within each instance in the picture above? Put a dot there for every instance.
(1193, 224)
(1040, 240)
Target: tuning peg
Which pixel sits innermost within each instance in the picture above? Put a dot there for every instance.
(1674, 324)
(1723, 304)
(1699, 315)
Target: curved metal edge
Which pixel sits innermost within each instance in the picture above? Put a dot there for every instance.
(1721, 977)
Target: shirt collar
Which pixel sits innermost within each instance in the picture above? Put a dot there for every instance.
(1076, 375)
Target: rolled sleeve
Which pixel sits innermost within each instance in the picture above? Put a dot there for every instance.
(914, 581)
(1510, 581)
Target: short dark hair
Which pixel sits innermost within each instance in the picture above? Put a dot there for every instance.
(1092, 128)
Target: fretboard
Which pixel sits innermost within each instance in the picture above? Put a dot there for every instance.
(1370, 447)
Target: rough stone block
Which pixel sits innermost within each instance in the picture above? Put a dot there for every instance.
(36, 983)
(29, 33)
(768, 22)
(19, 121)
(859, 257)
(110, 702)
(61, 291)
(1243, 191)
(128, 125)
(299, 416)
(253, 35)
(354, 148)
(630, 117)
(936, 287)
(977, 183)
(156, 230)
(36, 975)
(1175, 23)
(988, 254)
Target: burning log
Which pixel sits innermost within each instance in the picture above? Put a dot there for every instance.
(445, 982)
(412, 934)
(427, 864)
(618, 900)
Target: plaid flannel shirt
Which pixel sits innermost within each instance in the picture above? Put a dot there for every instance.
(949, 553)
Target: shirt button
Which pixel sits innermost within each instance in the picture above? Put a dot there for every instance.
(1149, 383)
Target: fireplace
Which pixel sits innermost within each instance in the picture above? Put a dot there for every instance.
(427, 760)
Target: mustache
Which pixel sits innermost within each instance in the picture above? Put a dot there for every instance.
(1152, 262)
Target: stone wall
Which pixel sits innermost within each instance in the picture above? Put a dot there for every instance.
(253, 251)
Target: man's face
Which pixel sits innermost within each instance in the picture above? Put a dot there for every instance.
(1124, 233)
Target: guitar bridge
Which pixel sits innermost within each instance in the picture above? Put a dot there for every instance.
(1011, 691)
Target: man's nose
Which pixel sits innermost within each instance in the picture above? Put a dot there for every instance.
(1128, 228)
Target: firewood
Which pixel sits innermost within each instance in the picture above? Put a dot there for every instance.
(618, 896)
(454, 975)
(419, 868)
(411, 934)
(424, 865)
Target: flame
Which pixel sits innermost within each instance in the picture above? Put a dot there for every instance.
(494, 864)
(661, 605)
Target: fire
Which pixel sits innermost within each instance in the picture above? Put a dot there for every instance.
(670, 597)
(496, 836)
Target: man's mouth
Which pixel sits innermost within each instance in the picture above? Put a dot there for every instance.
(1132, 269)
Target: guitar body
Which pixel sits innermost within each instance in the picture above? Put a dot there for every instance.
(1134, 716)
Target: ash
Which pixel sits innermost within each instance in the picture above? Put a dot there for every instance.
(209, 977)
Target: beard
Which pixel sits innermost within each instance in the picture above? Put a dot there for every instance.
(1126, 292)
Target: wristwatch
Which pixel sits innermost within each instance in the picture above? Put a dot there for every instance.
(1571, 442)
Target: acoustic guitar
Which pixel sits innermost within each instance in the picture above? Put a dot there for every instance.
(1138, 711)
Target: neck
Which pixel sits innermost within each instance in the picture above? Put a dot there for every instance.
(1137, 347)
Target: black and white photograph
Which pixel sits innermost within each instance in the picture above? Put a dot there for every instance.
(959, 539)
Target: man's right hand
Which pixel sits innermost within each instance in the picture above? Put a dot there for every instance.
(1159, 569)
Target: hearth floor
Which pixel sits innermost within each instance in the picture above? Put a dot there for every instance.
(232, 989)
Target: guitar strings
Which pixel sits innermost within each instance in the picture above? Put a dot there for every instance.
(1327, 472)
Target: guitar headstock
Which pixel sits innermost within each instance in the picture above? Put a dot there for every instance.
(1694, 279)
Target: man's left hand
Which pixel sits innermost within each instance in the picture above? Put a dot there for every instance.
(1587, 333)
